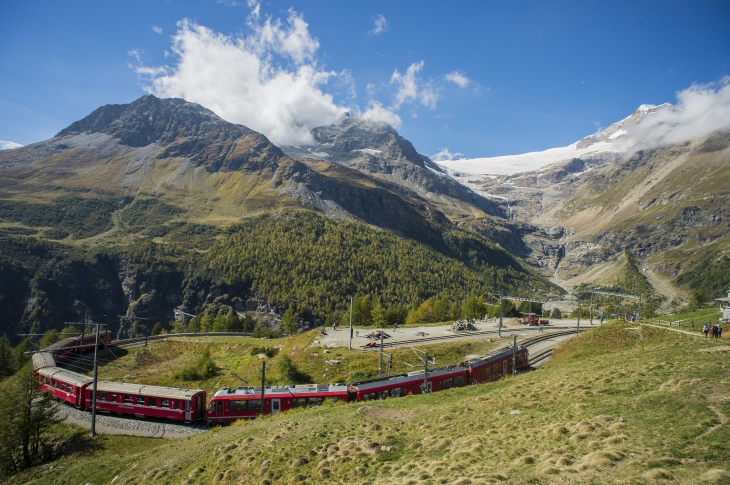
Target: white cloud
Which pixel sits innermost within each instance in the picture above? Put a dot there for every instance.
(458, 78)
(381, 25)
(9, 145)
(445, 154)
(266, 81)
(377, 112)
(411, 89)
(701, 110)
(156, 29)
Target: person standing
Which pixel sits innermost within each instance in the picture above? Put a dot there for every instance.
(706, 329)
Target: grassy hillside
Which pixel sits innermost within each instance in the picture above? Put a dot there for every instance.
(619, 404)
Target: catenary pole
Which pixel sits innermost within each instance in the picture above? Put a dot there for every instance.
(350, 323)
(93, 389)
(263, 384)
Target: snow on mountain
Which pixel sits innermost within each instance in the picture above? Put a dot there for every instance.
(617, 138)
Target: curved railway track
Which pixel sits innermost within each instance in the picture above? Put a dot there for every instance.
(478, 333)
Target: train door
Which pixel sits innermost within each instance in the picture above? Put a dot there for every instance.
(199, 407)
(188, 413)
(275, 406)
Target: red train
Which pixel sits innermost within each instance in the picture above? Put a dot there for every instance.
(76, 345)
(187, 405)
(228, 404)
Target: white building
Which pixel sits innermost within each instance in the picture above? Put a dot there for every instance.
(725, 306)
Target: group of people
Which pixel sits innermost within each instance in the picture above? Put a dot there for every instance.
(715, 330)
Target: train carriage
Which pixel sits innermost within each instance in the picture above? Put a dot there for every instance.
(76, 345)
(186, 405)
(493, 365)
(231, 404)
(43, 359)
(313, 395)
(65, 385)
(411, 383)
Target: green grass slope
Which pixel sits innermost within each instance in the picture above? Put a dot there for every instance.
(618, 404)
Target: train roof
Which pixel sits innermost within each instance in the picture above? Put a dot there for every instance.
(491, 356)
(61, 344)
(66, 376)
(43, 359)
(401, 379)
(144, 390)
(250, 392)
(306, 390)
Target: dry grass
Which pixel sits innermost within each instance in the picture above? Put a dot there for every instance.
(617, 409)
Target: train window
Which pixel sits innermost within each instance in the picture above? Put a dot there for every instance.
(128, 399)
(140, 400)
(211, 408)
(55, 384)
(114, 398)
(459, 380)
(152, 401)
(315, 401)
(396, 392)
(254, 405)
(165, 403)
(238, 405)
(299, 402)
(447, 383)
(101, 396)
(370, 396)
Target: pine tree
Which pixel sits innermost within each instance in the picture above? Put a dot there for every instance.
(26, 416)
(7, 361)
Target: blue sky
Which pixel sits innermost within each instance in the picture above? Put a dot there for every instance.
(472, 79)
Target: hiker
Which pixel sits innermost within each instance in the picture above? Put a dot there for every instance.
(541, 328)
(706, 329)
(395, 326)
(601, 319)
(714, 330)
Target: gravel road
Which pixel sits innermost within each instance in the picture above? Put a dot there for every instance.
(106, 424)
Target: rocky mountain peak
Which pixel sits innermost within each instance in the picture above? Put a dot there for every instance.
(182, 129)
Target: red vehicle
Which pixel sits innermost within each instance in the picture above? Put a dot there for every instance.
(411, 383)
(65, 385)
(493, 365)
(186, 405)
(228, 404)
(76, 345)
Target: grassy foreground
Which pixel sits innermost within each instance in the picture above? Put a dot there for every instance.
(618, 404)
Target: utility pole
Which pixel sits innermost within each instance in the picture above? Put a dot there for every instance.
(425, 374)
(92, 432)
(93, 391)
(514, 354)
(390, 363)
(263, 385)
(380, 367)
(350, 323)
(499, 330)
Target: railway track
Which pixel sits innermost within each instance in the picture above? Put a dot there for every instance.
(478, 333)
(134, 342)
(544, 354)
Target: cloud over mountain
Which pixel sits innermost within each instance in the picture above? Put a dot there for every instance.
(701, 110)
(268, 81)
